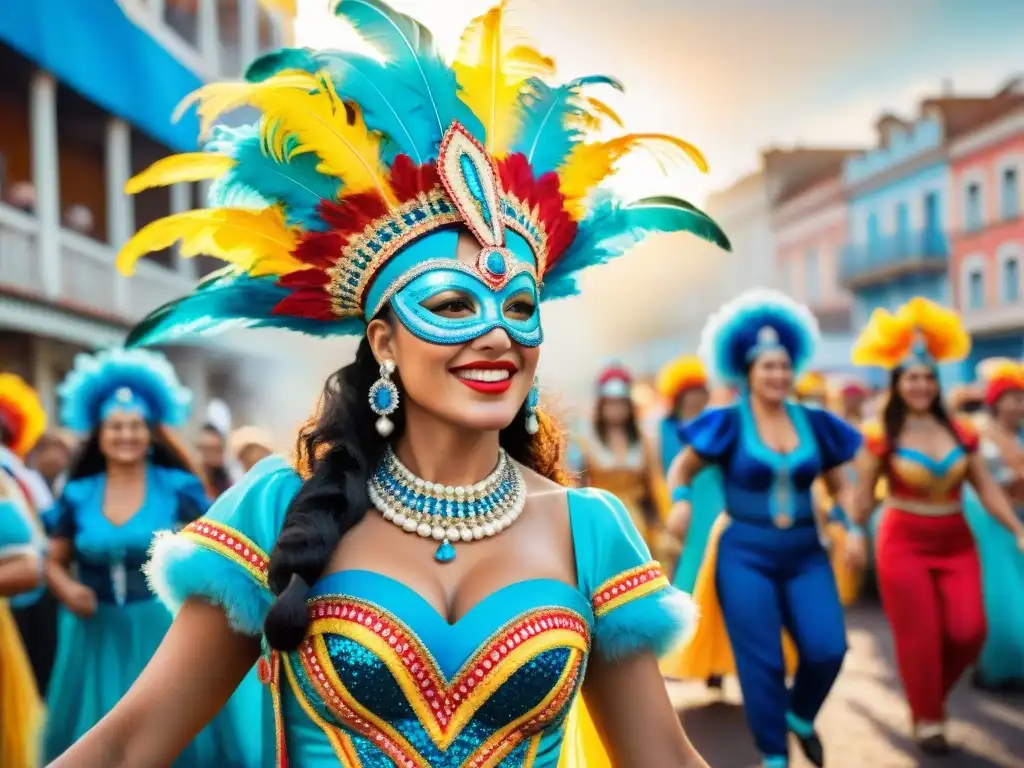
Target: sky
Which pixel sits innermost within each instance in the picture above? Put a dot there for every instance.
(738, 76)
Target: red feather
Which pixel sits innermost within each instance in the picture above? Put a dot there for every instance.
(544, 197)
(409, 180)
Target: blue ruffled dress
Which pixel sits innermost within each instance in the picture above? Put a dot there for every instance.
(707, 501)
(1002, 573)
(98, 658)
(382, 679)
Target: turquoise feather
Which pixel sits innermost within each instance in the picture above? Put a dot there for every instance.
(543, 134)
(258, 180)
(388, 106)
(228, 299)
(612, 229)
(471, 175)
(413, 60)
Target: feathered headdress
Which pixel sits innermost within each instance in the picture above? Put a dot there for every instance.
(683, 373)
(615, 381)
(755, 322)
(22, 418)
(812, 384)
(122, 379)
(999, 375)
(920, 331)
(355, 158)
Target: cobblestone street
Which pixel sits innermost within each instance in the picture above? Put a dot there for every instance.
(864, 723)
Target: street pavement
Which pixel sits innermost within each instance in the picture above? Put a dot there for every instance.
(864, 723)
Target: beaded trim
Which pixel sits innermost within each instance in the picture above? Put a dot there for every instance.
(628, 586)
(443, 707)
(339, 740)
(228, 542)
(448, 514)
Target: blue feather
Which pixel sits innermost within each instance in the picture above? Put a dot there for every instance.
(613, 228)
(414, 60)
(258, 180)
(95, 378)
(388, 105)
(543, 134)
(226, 300)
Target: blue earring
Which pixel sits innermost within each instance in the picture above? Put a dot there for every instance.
(532, 401)
(384, 399)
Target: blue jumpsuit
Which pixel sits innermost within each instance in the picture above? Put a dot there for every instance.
(772, 572)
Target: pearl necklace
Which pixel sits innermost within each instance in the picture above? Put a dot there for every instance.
(448, 513)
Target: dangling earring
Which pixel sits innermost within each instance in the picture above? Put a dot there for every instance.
(384, 399)
(532, 401)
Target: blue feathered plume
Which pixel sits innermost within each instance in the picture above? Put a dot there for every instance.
(546, 135)
(612, 228)
(258, 180)
(413, 60)
(732, 331)
(230, 299)
(95, 378)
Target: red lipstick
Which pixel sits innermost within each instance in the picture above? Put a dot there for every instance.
(498, 387)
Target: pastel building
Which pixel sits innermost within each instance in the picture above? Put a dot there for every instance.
(987, 242)
(898, 193)
(809, 225)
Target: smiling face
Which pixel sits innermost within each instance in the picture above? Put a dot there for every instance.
(771, 376)
(477, 383)
(124, 437)
(918, 386)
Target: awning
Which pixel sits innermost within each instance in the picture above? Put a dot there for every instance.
(92, 47)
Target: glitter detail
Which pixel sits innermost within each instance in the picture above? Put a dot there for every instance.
(444, 708)
(229, 543)
(468, 174)
(628, 586)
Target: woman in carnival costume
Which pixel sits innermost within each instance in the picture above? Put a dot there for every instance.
(926, 560)
(22, 548)
(129, 480)
(765, 570)
(615, 457)
(428, 593)
(1001, 664)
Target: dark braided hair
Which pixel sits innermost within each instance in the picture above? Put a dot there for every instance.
(336, 451)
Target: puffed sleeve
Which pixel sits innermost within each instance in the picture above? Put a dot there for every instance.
(224, 555)
(967, 432)
(713, 434)
(838, 440)
(188, 490)
(61, 519)
(636, 608)
(874, 438)
(19, 531)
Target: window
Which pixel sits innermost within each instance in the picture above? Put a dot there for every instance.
(976, 289)
(812, 279)
(1011, 280)
(972, 207)
(1010, 194)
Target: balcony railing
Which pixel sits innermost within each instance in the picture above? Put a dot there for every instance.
(88, 282)
(924, 251)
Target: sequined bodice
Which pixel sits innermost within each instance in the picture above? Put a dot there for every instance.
(391, 682)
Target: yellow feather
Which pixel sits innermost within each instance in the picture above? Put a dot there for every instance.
(493, 64)
(257, 242)
(189, 166)
(333, 130)
(214, 99)
(588, 164)
(599, 109)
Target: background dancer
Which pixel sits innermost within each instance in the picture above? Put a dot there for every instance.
(765, 564)
(926, 560)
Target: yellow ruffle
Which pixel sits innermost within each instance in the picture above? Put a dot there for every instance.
(709, 652)
(848, 580)
(582, 746)
(21, 711)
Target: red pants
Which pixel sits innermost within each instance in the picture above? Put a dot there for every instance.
(930, 580)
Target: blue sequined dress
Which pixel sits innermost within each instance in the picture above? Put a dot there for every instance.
(98, 658)
(383, 680)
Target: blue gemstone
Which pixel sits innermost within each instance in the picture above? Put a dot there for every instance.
(382, 398)
(495, 263)
(445, 553)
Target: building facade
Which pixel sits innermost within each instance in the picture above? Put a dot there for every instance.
(87, 103)
(987, 243)
(809, 222)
